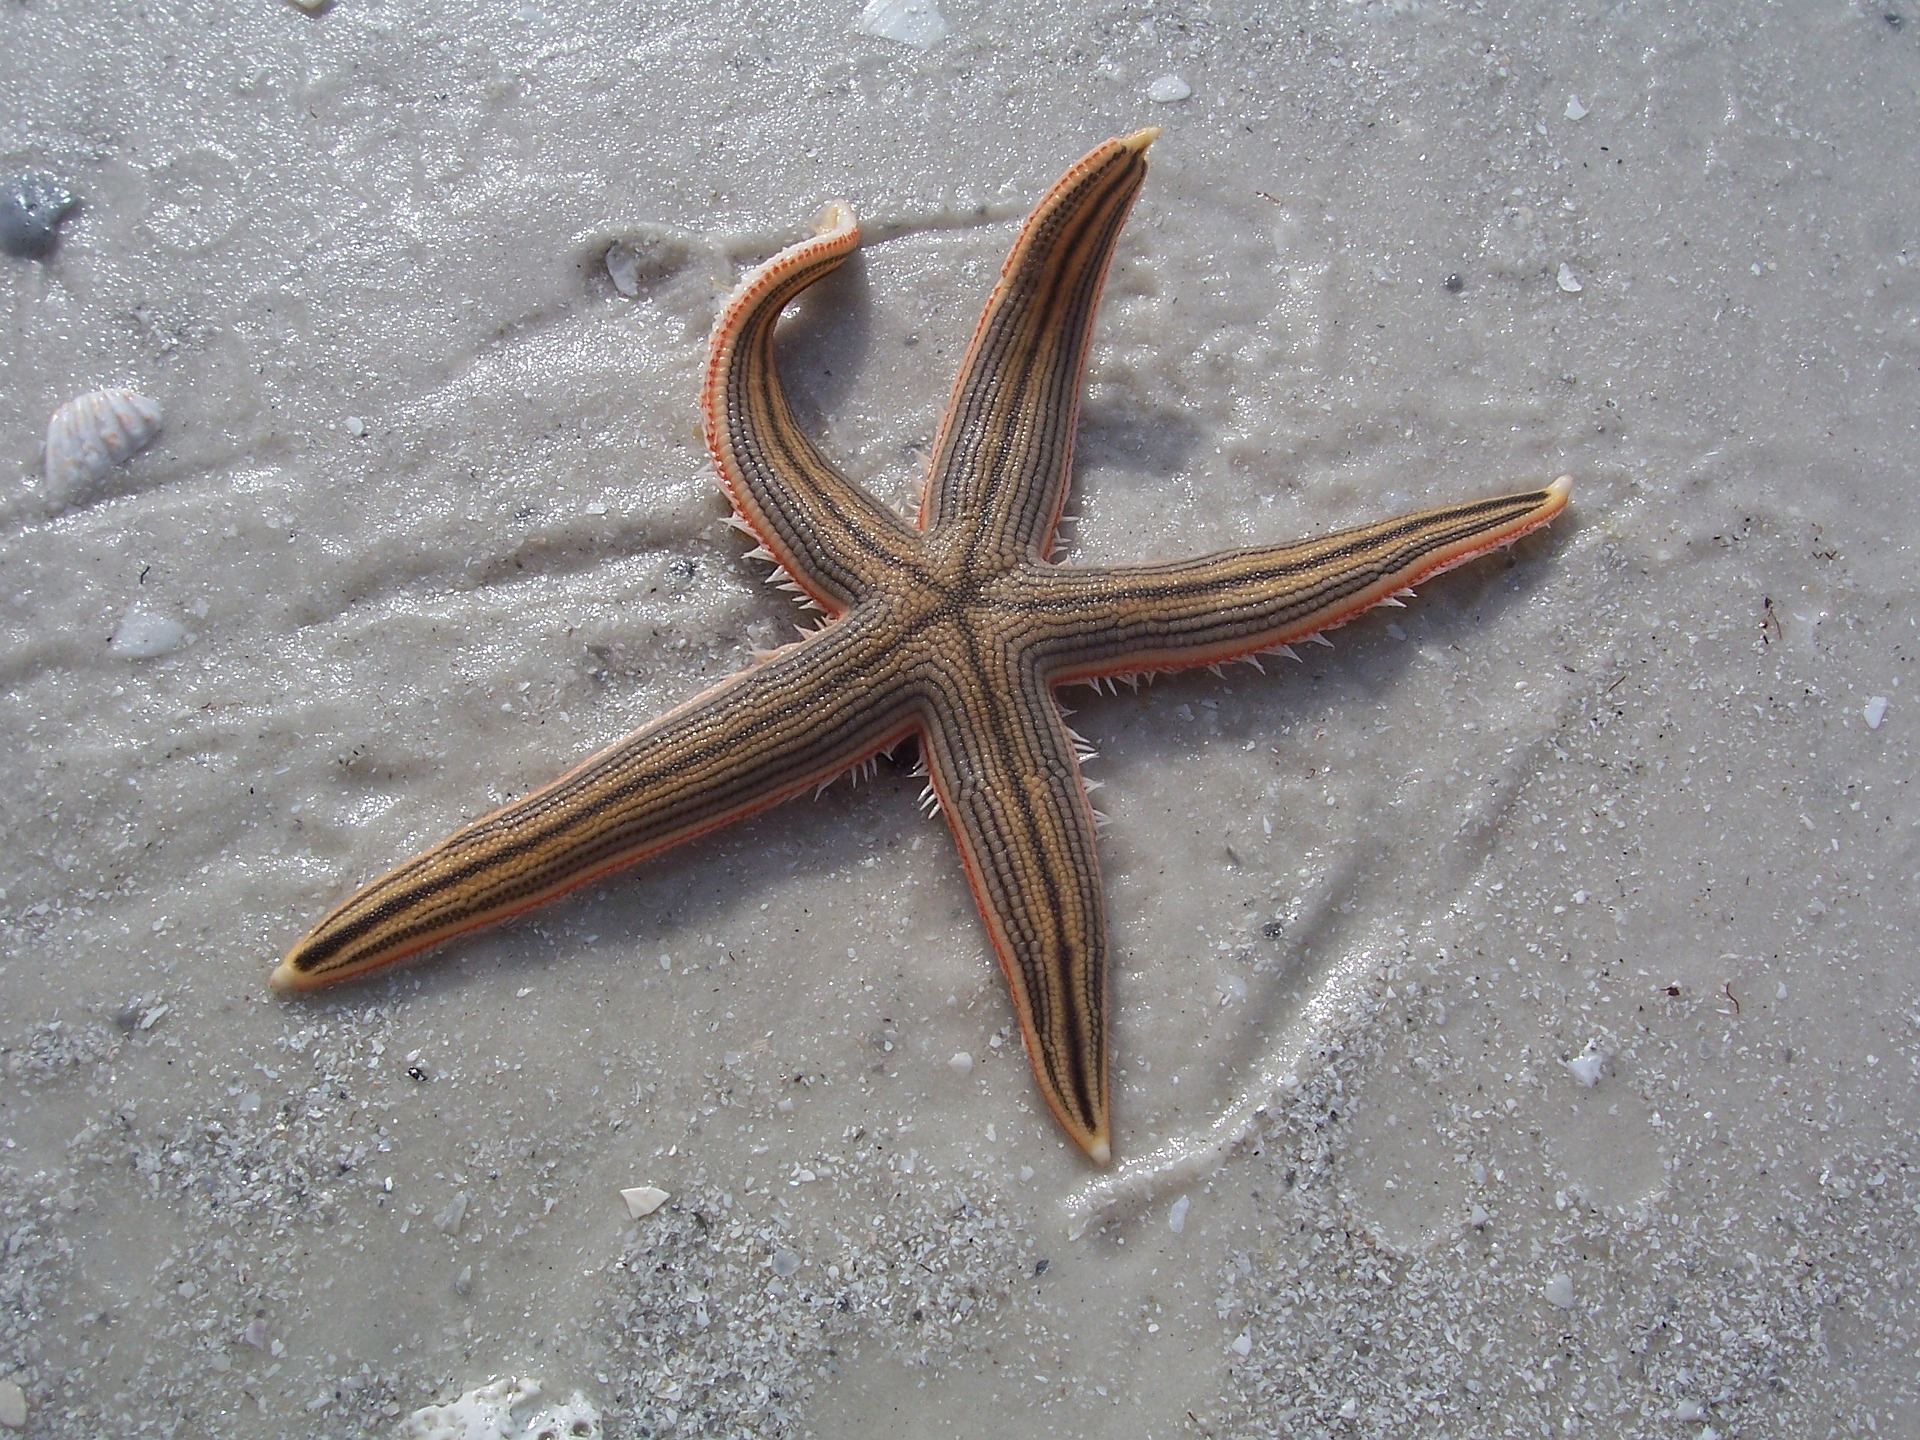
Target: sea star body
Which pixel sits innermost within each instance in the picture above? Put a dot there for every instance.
(954, 630)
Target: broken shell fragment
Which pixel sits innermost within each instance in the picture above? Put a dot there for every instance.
(643, 1200)
(503, 1409)
(87, 437)
(141, 636)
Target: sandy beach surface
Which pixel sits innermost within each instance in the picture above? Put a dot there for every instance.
(1516, 1007)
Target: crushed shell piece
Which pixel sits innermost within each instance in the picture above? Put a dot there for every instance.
(643, 1200)
(1177, 1216)
(504, 1410)
(141, 635)
(918, 23)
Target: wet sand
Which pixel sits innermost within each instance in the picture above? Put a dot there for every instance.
(1516, 1011)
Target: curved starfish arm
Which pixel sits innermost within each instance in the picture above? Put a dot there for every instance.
(825, 531)
(1003, 767)
(797, 719)
(1002, 460)
(1128, 618)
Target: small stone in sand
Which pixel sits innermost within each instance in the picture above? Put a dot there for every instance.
(1558, 1292)
(31, 209)
(1169, 90)
(1875, 711)
(961, 1063)
(13, 1406)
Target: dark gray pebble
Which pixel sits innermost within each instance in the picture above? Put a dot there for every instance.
(31, 209)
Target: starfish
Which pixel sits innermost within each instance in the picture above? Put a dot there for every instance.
(954, 631)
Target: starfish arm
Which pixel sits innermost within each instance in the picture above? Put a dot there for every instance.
(1002, 460)
(796, 719)
(1004, 769)
(1121, 619)
(825, 531)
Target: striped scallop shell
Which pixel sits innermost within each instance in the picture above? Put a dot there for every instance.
(87, 437)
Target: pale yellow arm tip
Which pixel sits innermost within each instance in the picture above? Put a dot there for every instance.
(835, 216)
(1101, 1151)
(286, 980)
(1141, 139)
(1560, 489)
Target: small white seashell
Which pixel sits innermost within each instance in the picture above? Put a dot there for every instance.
(87, 437)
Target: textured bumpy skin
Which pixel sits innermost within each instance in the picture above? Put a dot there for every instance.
(954, 631)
